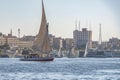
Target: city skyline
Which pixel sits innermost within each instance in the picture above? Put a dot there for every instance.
(61, 15)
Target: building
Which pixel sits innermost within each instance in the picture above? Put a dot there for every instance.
(114, 43)
(56, 42)
(13, 41)
(82, 37)
(69, 43)
(28, 38)
(94, 44)
(63, 44)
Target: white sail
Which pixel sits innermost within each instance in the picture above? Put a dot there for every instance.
(86, 49)
(72, 51)
(60, 52)
(42, 42)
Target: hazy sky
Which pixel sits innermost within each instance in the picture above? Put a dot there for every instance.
(61, 15)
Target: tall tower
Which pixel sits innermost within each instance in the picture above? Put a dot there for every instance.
(76, 25)
(100, 35)
(19, 33)
(79, 25)
(11, 32)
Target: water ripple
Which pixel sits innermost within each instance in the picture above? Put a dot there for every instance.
(61, 69)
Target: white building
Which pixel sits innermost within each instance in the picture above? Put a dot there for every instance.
(15, 42)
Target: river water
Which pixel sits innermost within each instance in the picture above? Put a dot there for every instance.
(61, 69)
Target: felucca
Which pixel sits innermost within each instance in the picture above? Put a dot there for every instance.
(41, 46)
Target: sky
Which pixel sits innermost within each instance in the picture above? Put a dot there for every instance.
(62, 16)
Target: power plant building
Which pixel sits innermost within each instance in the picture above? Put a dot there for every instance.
(81, 38)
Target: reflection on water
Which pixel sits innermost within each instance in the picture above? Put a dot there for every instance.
(61, 69)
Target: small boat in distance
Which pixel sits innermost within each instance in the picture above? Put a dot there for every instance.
(41, 46)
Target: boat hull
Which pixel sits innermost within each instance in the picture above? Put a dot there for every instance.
(36, 59)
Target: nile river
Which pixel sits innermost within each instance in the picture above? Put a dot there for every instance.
(61, 69)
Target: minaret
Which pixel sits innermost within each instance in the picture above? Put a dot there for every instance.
(76, 25)
(100, 35)
(90, 27)
(86, 24)
(79, 25)
(19, 33)
(90, 35)
(11, 32)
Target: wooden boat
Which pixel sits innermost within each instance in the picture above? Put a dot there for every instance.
(41, 46)
(37, 59)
